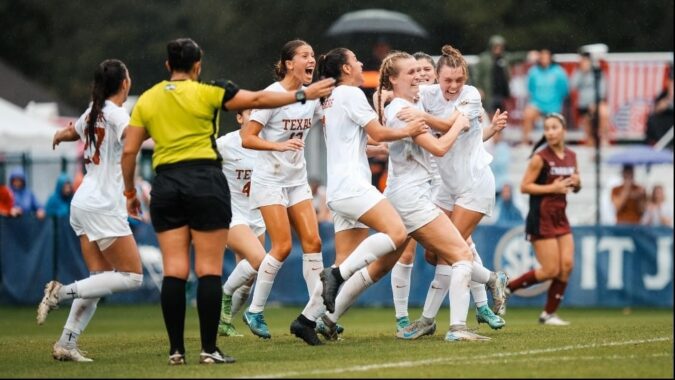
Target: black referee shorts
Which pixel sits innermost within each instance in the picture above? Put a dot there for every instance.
(192, 193)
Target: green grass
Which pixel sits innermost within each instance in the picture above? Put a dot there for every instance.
(130, 341)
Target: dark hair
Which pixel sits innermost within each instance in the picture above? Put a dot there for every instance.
(452, 58)
(542, 140)
(108, 79)
(422, 55)
(329, 65)
(287, 54)
(182, 54)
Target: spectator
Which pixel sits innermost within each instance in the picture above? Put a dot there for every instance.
(583, 82)
(6, 201)
(492, 74)
(507, 211)
(58, 203)
(660, 120)
(25, 201)
(657, 212)
(629, 198)
(319, 201)
(548, 87)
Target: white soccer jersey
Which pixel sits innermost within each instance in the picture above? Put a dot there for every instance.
(347, 113)
(284, 169)
(102, 188)
(463, 164)
(409, 163)
(238, 165)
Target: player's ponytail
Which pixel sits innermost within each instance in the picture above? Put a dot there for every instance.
(329, 65)
(108, 79)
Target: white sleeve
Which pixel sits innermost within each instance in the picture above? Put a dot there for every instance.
(221, 145)
(119, 119)
(262, 116)
(358, 109)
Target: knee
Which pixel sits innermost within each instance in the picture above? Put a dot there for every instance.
(566, 268)
(549, 273)
(281, 249)
(311, 244)
(398, 235)
(133, 281)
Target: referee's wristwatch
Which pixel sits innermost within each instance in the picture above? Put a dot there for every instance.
(300, 96)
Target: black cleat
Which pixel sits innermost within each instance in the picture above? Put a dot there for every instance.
(305, 333)
(331, 284)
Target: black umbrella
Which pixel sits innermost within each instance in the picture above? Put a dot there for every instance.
(376, 21)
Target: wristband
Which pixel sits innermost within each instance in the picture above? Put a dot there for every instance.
(130, 194)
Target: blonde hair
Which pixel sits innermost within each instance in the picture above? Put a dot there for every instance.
(388, 69)
(452, 58)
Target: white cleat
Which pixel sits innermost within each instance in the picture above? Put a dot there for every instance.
(69, 354)
(551, 320)
(49, 302)
(462, 335)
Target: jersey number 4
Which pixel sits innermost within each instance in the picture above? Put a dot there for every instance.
(247, 189)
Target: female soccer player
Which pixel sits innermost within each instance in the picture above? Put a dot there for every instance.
(97, 213)
(247, 229)
(279, 186)
(409, 191)
(401, 273)
(467, 192)
(190, 197)
(356, 204)
(550, 176)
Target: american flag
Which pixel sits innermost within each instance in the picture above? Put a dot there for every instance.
(632, 87)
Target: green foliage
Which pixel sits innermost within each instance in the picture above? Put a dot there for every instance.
(130, 342)
(60, 42)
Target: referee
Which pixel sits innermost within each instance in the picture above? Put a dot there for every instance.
(190, 200)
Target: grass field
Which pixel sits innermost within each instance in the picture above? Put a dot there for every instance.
(130, 341)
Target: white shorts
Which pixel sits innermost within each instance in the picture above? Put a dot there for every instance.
(98, 226)
(414, 204)
(242, 214)
(346, 212)
(480, 198)
(265, 195)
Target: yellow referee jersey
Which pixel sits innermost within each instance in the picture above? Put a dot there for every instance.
(182, 118)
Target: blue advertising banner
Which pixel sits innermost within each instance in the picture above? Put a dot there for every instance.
(615, 266)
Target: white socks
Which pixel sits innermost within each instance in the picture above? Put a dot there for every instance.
(315, 307)
(437, 291)
(312, 265)
(81, 312)
(350, 291)
(372, 248)
(478, 291)
(459, 292)
(239, 298)
(266, 274)
(101, 284)
(400, 287)
(241, 275)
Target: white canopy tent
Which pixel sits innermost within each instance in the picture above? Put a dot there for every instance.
(22, 133)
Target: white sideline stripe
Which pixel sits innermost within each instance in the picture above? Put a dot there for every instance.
(498, 355)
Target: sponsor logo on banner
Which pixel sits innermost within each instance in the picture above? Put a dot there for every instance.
(514, 256)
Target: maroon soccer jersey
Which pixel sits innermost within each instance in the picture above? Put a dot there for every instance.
(546, 217)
